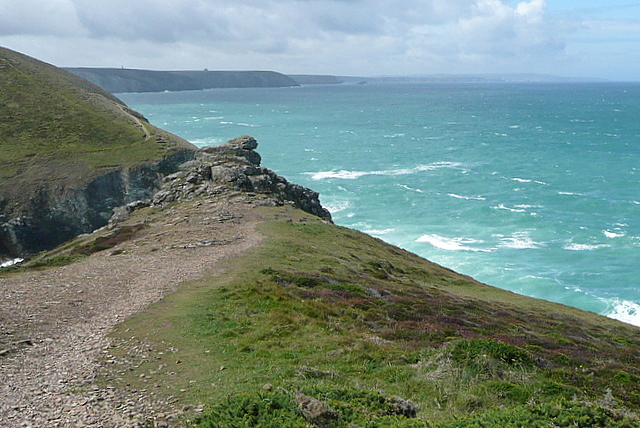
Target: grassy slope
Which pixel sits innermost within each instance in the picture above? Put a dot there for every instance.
(56, 128)
(351, 320)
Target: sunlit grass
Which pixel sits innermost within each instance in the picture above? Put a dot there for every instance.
(318, 307)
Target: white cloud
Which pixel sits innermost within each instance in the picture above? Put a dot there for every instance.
(323, 36)
(37, 17)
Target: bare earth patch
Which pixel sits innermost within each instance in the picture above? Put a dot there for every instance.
(54, 322)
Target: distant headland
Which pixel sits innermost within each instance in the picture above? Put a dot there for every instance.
(123, 80)
(120, 80)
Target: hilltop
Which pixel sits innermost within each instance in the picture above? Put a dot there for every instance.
(71, 152)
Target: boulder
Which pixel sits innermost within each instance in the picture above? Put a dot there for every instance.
(315, 411)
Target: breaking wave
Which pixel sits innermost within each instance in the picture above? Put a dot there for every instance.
(352, 175)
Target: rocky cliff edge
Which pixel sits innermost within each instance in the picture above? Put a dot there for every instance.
(230, 167)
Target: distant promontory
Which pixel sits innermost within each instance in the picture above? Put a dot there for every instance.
(120, 80)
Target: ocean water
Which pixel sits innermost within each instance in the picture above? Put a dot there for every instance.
(533, 188)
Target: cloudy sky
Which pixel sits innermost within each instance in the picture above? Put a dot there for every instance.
(581, 38)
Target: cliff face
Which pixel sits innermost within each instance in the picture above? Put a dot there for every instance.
(71, 152)
(58, 213)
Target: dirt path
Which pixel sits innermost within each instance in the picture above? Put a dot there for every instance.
(147, 134)
(65, 313)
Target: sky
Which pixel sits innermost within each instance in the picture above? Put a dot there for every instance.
(573, 38)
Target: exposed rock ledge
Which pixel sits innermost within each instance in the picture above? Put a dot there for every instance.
(233, 166)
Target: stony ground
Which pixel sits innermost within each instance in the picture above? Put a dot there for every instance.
(54, 321)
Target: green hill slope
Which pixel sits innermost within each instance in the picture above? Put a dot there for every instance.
(356, 323)
(314, 326)
(59, 132)
(321, 325)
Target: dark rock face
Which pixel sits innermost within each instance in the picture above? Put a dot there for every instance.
(57, 214)
(235, 165)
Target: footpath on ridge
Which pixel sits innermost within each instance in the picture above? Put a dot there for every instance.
(54, 321)
(61, 315)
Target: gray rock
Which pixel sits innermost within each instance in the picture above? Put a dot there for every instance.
(404, 407)
(236, 166)
(315, 411)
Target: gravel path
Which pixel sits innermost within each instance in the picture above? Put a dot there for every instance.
(53, 322)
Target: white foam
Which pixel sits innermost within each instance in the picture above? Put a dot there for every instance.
(411, 188)
(451, 244)
(624, 310)
(11, 263)
(513, 210)
(526, 180)
(519, 241)
(343, 174)
(469, 198)
(337, 206)
(352, 175)
(610, 234)
(570, 194)
(378, 231)
(584, 247)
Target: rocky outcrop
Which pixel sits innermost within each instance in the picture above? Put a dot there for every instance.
(57, 213)
(235, 165)
(317, 412)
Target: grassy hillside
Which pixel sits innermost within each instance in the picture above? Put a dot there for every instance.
(57, 129)
(376, 334)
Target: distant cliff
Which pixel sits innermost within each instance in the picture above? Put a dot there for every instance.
(120, 80)
(71, 152)
(315, 79)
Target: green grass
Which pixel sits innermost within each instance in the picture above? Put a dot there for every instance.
(346, 318)
(57, 129)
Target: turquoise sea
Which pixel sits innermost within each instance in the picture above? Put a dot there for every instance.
(533, 188)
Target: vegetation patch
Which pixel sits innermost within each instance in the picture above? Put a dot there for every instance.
(101, 243)
(312, 316)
